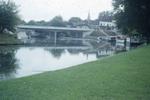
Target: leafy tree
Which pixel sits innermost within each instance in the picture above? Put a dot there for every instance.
(38, 23)
(57, 21)
(22, 22)
(133, 15)
(42, 23)
(8, 16)
(105, 16)
(74, 21)
(32, 22)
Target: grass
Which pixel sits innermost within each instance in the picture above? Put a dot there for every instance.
(125, 76)
(8, 39)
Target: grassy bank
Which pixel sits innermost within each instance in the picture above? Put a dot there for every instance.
(8, 39)
(122, 77)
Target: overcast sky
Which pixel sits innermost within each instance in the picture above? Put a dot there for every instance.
(47, 9)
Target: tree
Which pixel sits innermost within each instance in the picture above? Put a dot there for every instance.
(32, 22)
(105, 16)
(41, 23)
(22, 22)
(37, 23)
(133, 15)
(57, 21)
(8, 16)
(74, 21)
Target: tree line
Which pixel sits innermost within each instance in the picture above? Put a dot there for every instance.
(132, 16)
(72, 22)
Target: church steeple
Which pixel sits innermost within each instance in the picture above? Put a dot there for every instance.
(89, 18)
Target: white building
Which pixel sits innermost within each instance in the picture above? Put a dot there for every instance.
(107, 24)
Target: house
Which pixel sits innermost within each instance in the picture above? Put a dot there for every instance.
(107, 25)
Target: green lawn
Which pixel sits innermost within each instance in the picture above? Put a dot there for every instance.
(125, 76)
(8, 39)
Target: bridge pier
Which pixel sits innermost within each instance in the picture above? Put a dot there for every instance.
(55, 37)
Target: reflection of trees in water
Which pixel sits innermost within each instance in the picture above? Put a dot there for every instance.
(56, 52)
(70, 42)
(8, 64)
(74, 51)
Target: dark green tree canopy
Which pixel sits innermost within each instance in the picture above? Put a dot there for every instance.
(32, 22)
(74, 21)
(105, 16)
(8, 16)
(133, 15)
(57, 21)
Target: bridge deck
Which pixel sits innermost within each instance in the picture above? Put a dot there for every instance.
(31, 27)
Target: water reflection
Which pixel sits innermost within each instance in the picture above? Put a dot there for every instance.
(8, 64)
(24, 61)
(56, 52)
(41, 59)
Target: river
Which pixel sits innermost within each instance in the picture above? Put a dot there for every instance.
(21, 61)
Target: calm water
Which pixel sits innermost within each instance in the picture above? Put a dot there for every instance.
(18, 62)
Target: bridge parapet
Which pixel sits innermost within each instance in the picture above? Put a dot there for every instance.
(50, 28)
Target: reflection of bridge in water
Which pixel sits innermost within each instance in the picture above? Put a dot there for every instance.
(53, 33)
(69, 47)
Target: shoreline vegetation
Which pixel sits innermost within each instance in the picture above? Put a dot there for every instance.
(7, 39)
(124, 76)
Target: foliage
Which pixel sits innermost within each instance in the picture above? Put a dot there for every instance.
(8, 16)
(121, 77)
(105, 16)
(32, 22)
(9, 39)
(133, 15)
(74, 21)
(38, 23)
(22, 22)
(57, 21)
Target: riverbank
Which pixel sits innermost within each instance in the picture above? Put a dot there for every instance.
(121, 77)
(6, 39)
